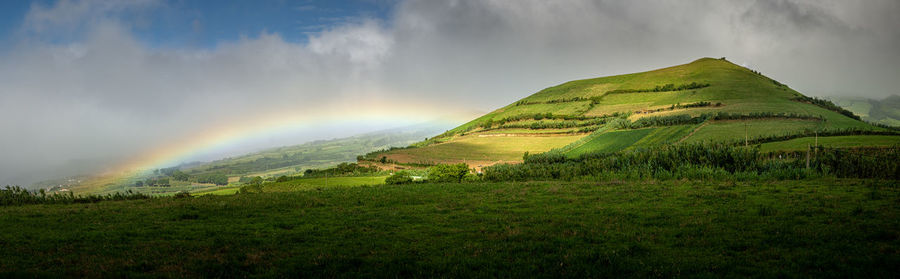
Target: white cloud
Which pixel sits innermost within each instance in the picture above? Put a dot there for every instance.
(101, 93)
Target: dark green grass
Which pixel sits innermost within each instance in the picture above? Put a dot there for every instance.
(820, 228)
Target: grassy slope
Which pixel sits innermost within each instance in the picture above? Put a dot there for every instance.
(738, 89)
(820, 228)
(481, 148)
(838, 141)
(611, 141)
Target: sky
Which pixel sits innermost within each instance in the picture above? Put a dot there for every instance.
(87, 85)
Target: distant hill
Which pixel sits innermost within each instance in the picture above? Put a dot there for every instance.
(707, 100)
(316, 154)
(287, 160)
(885, 111)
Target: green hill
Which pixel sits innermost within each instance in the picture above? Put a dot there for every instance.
(707, 100)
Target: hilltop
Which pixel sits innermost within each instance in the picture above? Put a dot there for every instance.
(707, 100)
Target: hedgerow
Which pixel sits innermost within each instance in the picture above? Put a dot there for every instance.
(702, 161)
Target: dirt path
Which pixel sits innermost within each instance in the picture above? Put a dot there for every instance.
(694, 131)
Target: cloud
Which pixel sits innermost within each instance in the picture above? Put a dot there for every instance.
(99, 95)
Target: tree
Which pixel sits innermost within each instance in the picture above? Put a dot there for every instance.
(256, 180)
(215, 178)
(180, 175)
(448, 172)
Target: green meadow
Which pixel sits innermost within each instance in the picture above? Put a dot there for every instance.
(811, 228)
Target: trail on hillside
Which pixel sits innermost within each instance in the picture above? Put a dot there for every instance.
(694, 131)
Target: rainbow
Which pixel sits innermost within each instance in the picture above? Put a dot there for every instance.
(173, 153)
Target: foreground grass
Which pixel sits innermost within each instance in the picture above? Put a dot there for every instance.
(822, 228)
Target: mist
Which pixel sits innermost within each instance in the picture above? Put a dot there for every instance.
(80, 91)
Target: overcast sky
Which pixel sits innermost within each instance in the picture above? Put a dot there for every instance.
(86, 84)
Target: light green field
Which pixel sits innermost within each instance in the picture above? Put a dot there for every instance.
(837, 141)
(218, 192)
(611, 141)
(306, 184)
(481, 148)
(569, 108)
(732, 130)
(664, 135)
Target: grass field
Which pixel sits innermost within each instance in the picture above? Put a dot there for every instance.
(611, 141)
(838, 141)
(481, 148)
(665, 135)
(736, 130)
(819, 228)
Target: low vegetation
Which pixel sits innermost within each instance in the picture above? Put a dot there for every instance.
(698, 161)
(609, 228)
(15, 195)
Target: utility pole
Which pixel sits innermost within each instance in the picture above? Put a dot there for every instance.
(746, 134)
(807, 156)
(817, 143)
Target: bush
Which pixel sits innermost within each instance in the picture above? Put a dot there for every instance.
(698, 161)
(15, 195)
(399, 178)
(182, 194)
(214, 178)
(448, 172)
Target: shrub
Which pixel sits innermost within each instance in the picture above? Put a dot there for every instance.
(182, 194)
(399, 178)
(448, 172)
(698, 161)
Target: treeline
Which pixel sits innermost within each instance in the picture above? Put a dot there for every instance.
(552, 124)
(822, 133)
(154, 182)
(556, 101)
(584, 121)
(826, 104)
(15, 195)
(342, 169)
(699, 161)
(685, 119)
(659, 88)
(214, 178)
(376, 156)
(663, 88)
(178, 175)
(457, 173)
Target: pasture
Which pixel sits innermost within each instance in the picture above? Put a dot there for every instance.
(481, 148)
(814, 228)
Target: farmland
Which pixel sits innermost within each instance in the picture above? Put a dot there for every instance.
(757, 107)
